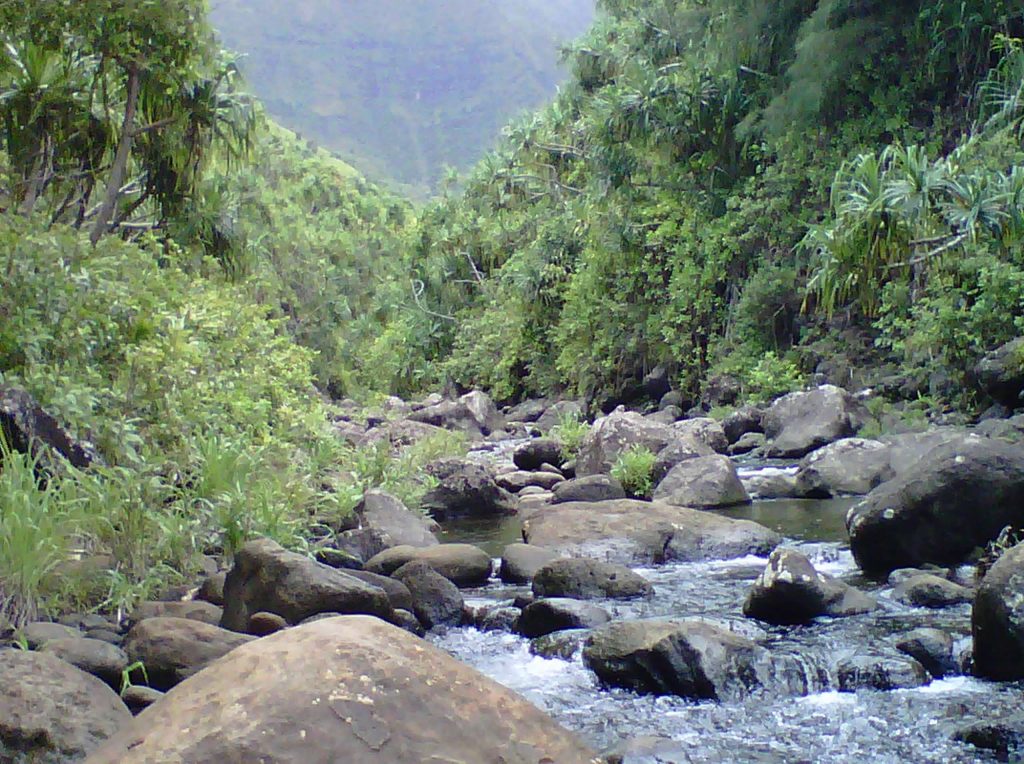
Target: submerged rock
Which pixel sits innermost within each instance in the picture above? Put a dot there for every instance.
(865, 671)
(932, 648)
(351, 689)
(959, 497)
(791, 591)
(639, 532)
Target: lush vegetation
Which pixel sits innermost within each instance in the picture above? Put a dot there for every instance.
(405, 88)
(723, 188)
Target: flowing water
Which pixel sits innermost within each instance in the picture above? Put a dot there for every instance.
(821, 725)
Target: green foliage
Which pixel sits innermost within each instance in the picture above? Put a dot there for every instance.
(570, 432)
(634, 469)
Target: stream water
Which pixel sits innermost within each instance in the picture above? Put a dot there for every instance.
(823, 725)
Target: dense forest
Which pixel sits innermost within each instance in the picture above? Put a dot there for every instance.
(745, 195)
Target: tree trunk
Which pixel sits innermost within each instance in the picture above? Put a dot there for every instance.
(120, 167)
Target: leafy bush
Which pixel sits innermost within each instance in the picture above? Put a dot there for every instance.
(570, 432)
(635, 470)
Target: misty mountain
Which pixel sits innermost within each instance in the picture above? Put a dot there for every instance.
(401, 88)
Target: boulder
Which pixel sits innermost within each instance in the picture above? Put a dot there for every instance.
(584, 578)
(515, 482)
(752, 441)
(703, 430)
(398, 594)
(612, 435)
(673, 399)
(656, 383)
(212, 589)
(997, 619)
(927, 590)
(639, 532)
(667, 416)
(473, 413)
(559, 412)
(352, 548)
(264, 624)
(1002, 739)
(548, 615)
(351, 689)
(38, 633)
(791, 591)
(1001, 373)
(909, 449)
(867, 671)
(502, 618)
(195, 610)
(28, 428)
(93, 656)
(520, 562)
(678, 451)
(400, 525)
(592, 488)
(462, 564)
(691, 659)
(436, 601)
(465, 489)
(530, 456)
(848, 467)
(527, 411)
(173, 649)
(707, 482)
(959, 497)
(744, 421)
(721, 390)
(771, 483)
(932, 648)
(266, 577)
(799, 423)
(52, 712)
(139, 697)
(400, 434)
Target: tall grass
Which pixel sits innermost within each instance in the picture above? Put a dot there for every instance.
(41, 525)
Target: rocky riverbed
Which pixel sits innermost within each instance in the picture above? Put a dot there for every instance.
(788, 618)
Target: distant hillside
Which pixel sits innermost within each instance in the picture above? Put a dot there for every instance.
(405, 87)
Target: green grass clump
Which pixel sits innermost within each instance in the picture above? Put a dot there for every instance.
(634, 469)
(570, 432)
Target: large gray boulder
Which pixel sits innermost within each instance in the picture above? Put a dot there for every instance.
(584, 578)
(704, 430)
(52, 712)
(799, 423)
(638, 532)
(744, 421)
(790, 591)
(173, 649)
(612, 435)
(351, 689)
(848, 467)
(691, 659)
(465, 489)
(268, 578)
(678, 451)
(997, 619)
(436, 601)
(387, 514)
(473, 413)
(958, 498)
(707, 482)
(462, 564)
(1001, 373)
